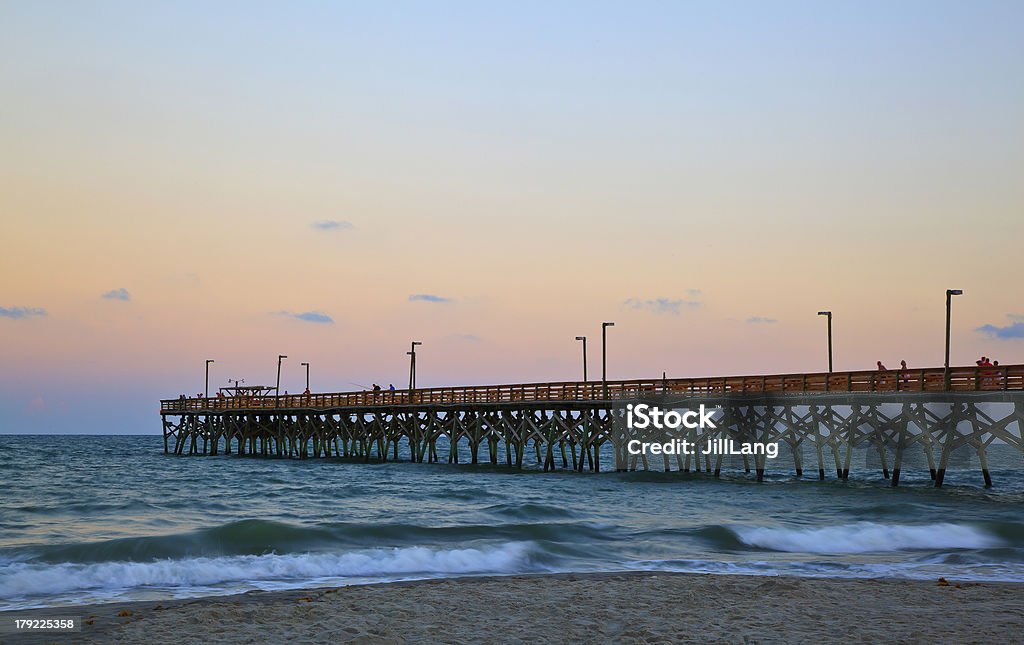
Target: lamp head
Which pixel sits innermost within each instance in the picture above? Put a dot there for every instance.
(954, 292)
(607, 324)
(824, 313)
(581, 338)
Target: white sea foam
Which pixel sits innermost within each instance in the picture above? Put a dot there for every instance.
(21, 580)
(868, 537)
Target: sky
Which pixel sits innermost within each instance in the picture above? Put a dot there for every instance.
(329, 181)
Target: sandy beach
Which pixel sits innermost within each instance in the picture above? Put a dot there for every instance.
(610, 608)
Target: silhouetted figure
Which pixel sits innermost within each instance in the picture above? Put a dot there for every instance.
(881, 368)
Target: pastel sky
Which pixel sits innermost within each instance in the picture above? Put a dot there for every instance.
(234, 180)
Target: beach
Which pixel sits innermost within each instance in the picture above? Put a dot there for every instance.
(628, 607)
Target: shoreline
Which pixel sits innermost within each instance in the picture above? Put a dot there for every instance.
(635, 607)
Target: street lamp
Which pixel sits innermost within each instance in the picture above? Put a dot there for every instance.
(949, 301)
(604, 356)
(412, 364)
(277, 388)
(307, 375)
(584, 339)
(829, 314)
(207, 390)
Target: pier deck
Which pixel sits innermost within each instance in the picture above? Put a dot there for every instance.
(831, 413)
(961, 379)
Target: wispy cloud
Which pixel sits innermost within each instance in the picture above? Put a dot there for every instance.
(661, 305)
(693, 293)
(18, 313)
(761, 320)
(118, 294)
(472, 338)
(309, 316)
(426, 297)
(1011, 331)
(331, 225)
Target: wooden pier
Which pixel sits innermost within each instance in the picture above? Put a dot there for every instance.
(567, 423)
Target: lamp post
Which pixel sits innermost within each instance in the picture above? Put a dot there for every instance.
(829, 314)
(949, 302)
(207, 389)
(584, 339)
(277, 387)
(412, 365)
(307, 375)
(604, 357)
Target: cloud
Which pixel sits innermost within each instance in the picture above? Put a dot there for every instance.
(473, 338)
(693, 293)
(118, 294)
(426, 297)
(761, 320)
(1016, 317)
(661, 305)
(17, 313)
(1012, 331)
(331, 225)
(309, 316)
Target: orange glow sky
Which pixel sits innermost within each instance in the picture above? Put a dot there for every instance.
(539, 168)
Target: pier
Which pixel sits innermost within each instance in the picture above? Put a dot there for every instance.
(564, 425)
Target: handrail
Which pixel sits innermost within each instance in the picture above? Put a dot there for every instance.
(1003, 377)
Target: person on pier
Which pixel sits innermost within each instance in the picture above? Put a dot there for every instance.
(881, 379)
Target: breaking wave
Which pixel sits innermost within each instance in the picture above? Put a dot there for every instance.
(22, 580)
(868, 537)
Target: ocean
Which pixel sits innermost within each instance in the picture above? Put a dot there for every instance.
(86, 519)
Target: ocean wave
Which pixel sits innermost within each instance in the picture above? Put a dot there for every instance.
(260, 537)
(23, 580)
(868, 537)
(267, 537)
(531, 511)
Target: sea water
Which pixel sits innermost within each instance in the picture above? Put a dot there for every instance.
(87, 519)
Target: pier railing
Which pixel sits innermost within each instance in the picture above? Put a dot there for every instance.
(961, 379)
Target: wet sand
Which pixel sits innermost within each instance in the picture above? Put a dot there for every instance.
(574, 608)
